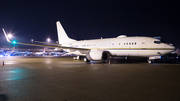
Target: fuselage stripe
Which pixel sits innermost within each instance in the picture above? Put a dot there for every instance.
(134, 48)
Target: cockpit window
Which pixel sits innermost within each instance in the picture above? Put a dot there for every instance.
(157, 42)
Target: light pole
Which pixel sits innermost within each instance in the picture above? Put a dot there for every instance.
(48, 39)
(9, 36)
(32, 40)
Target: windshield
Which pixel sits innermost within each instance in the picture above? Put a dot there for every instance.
(157, 42)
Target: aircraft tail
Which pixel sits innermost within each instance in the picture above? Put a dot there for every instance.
(44, 50)
(62, 36)
(13, 49)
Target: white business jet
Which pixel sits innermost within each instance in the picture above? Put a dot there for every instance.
(103, 49)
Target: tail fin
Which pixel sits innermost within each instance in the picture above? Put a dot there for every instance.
(62, 36)
(44, 50)
(13, 49)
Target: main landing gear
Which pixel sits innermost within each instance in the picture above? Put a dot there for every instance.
(81, 58)
(149, 61)
(86, 60)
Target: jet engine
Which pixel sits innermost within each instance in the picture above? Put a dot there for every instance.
(97, 55)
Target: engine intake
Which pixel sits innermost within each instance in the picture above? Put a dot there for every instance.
(98, 55)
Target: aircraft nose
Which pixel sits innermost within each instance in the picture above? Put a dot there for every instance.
(171, 47)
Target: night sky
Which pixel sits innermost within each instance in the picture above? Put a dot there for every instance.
(90, 19)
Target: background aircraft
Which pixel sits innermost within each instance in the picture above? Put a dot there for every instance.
(40, 53)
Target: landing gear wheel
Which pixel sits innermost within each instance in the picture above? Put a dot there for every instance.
(149, 61)
(86, 60)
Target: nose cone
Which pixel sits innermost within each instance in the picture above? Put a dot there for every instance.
(170, 47)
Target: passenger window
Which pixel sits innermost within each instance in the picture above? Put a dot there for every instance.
(157, 42)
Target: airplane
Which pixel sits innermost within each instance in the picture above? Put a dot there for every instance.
(48, 43)
(104, 49)
(20, 53)
(10, 52)
(40, 53)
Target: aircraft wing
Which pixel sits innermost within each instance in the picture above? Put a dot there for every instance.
(84, 50)
(51, 46)
(48, 43)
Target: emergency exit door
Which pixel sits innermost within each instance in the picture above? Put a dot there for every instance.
(143, 44)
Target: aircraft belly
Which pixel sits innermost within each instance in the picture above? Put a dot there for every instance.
(141, 53)
(124, 52)
(145, 53)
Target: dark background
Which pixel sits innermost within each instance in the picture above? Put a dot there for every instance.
(90, 19)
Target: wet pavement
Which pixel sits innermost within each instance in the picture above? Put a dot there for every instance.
(64, 79)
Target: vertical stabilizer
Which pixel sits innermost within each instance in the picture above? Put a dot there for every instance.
(44, 50)
(62, 36)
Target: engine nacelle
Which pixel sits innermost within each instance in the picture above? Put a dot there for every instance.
(97, 55)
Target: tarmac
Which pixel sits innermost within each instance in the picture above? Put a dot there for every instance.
(65, 79)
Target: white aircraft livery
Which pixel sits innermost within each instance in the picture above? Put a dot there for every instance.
(103, 49)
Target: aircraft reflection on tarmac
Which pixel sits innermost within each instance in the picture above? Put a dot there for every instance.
(75, 80)
(172, 60)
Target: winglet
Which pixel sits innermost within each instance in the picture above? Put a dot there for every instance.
(6, 35)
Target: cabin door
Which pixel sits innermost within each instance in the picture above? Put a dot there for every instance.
(143, 44)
